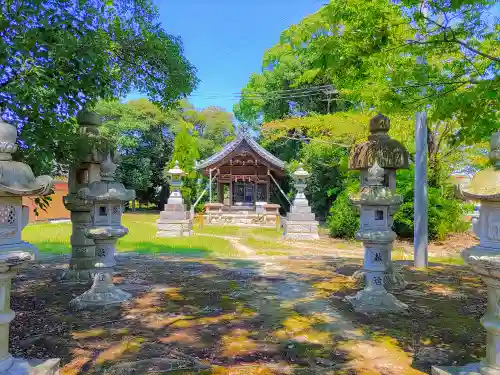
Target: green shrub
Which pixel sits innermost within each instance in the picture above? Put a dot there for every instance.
(445, 211)
(343, 221)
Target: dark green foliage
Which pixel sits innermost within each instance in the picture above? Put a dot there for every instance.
(445, 211)
(186, 152)
(57, 56)
(141, 132)
(328, 167)
(343, 221)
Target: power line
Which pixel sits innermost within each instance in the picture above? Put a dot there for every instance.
(328, 90)
(283, 91)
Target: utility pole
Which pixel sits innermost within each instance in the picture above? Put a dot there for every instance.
(420, 219)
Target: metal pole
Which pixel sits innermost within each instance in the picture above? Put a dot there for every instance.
(279, 187)
(420, 219)
(420, 195)
(210, 186)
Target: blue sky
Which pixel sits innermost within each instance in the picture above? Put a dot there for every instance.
(226, 39)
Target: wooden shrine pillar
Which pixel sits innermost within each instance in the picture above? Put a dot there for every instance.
(268, 183)
(230, 187)
(220, 192)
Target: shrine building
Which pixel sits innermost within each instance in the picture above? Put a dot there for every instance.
(243, 172)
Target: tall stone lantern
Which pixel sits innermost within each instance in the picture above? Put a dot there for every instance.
(108, 198)
(391, 155)
(16, 181)
(174, 220)
(485, 260)
(300, 223)
(82, 262)
(376, 201)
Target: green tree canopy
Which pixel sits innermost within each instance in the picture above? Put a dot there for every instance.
(142, 133)
(357, 54)
(214, 127)
(57, 56)
(186, 153)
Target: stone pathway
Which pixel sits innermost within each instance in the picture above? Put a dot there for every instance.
(235, 242)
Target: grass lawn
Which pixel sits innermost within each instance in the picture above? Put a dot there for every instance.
(55, 239)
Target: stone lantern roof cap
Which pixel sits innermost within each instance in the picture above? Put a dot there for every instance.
(300, 172)
(85, 117)
(389, 153)
(176, 170)
(15, 257)
(17, 178)
(485, 185)
(107, 189)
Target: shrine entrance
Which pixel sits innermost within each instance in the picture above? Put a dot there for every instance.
(243, 194)
(241, 175)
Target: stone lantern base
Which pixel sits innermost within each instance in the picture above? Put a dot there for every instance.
(32, 367)
(12, 258)
(300, 230)
(103, 293)
(300, 223)
(380, 301)
(393, 278)
(472, 369)
(174, 221)
(174, 228)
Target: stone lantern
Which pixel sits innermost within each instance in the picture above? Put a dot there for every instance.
(485, 260)
(300, 223)
(16, 181)
(174, 220)
(108, 198)
(82, 262)
(376, 201)
(391, 156)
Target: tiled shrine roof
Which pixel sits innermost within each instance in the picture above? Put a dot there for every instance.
(242, 138)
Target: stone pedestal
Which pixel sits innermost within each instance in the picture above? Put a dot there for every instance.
(175, 220)
(107, 197)
(81, 265)
(484, 259)
(16, 180)
(271, 213)
(375, 202)
(300, 223)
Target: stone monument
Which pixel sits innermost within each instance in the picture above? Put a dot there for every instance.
(375, 202)
(391, 156)
(300, 223)
(107, 197)
(175, 220)
(81, 265)
(485, 261)
(16, 180)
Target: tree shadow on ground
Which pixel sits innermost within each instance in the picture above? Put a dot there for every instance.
(442, 326)
(242, 316)
(186, 312)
